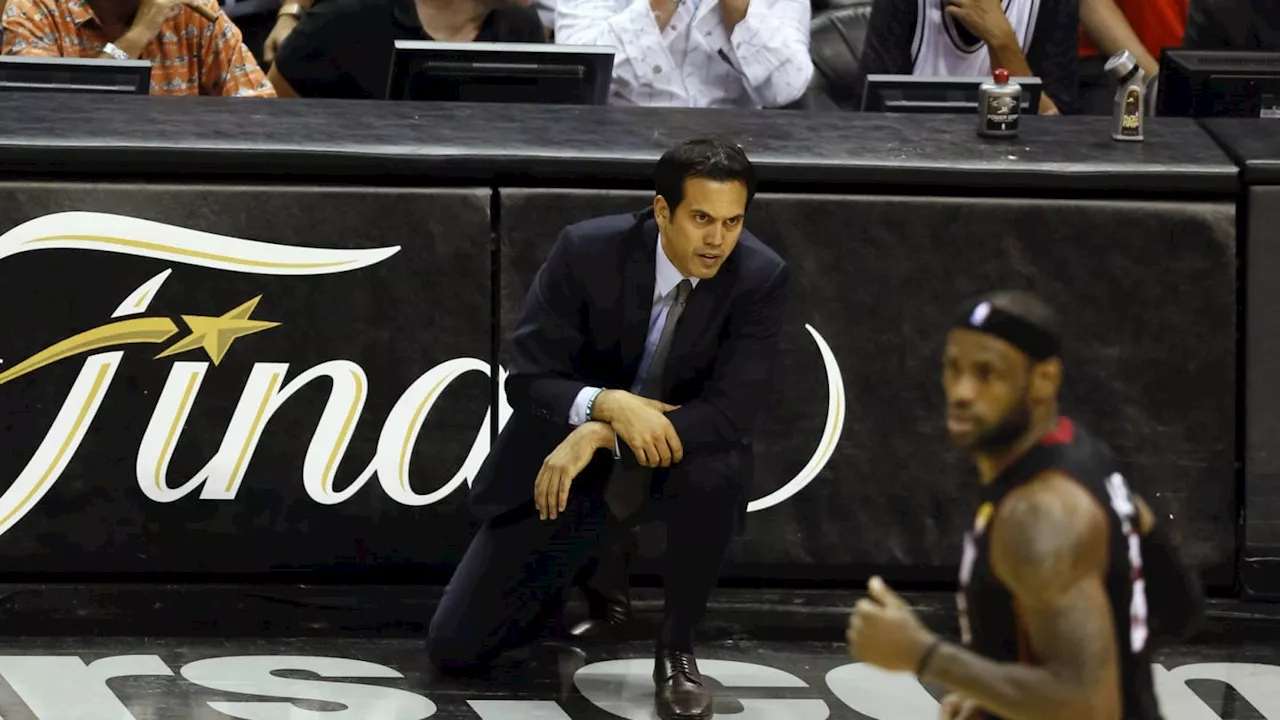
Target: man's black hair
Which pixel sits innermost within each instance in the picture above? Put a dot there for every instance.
(710, 158)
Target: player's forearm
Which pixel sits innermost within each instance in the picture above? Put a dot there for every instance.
(600, 435)
(1006, 53)
(1012, 691)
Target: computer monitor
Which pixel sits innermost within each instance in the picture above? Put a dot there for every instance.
(1218, 83)
(929, 94)
(500, 72)
(74, 75)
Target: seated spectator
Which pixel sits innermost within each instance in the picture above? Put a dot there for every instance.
(342, 48)
(1143, 27)
(971, 38)
(189, 55)
(1234, 25)
(697, 53)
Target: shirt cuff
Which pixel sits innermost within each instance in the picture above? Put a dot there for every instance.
(578, 411)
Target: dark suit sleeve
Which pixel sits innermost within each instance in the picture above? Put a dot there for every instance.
(546, 338)
(728, 410)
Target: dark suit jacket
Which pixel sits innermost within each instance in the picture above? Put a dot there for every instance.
(584, 323)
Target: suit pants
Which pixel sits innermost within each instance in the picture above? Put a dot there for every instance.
(516, 572)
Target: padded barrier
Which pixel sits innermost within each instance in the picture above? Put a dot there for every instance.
(1151, 366)
(1260, 555)
(1148, 283)
(416, 299)
(443, 143)
(1255, 147)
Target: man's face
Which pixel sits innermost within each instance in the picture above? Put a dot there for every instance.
(699, 234)
(987, 382)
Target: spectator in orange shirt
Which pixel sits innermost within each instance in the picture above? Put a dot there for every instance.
(1143, 27)
(189, 55)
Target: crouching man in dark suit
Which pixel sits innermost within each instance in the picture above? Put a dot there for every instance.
(639, 368)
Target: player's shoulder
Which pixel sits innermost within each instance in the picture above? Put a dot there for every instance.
(1071, 446)
(1048, 531)
(1054, 496)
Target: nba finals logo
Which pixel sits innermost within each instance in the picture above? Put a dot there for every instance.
(198, 340)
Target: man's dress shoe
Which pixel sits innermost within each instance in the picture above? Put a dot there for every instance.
(680, 693)
(607, 614)
(608, 591)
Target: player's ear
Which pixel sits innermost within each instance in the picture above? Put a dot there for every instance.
(1046, 379)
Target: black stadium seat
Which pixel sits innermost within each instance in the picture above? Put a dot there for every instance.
(838, 32)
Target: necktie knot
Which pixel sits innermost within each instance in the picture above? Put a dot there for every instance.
(683, 290)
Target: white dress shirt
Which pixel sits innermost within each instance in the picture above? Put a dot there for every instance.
(695, 62)
(666, 278)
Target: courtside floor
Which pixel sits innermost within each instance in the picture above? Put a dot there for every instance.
(340, 653)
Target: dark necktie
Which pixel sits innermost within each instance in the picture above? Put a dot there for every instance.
(628, 487)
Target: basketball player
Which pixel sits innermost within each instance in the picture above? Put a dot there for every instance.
(1062, 559)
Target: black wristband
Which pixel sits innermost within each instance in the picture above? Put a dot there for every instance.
(927, 656)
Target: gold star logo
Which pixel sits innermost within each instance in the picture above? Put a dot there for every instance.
(215, 334)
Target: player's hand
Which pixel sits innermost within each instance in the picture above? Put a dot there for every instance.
(958, 707)
(984, 18)
(884, 630)
(642, 425)
(561, 467)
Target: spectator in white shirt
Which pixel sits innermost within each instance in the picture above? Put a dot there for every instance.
(696, 53)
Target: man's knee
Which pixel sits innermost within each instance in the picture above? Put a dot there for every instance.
(459, 631)
(715, 477)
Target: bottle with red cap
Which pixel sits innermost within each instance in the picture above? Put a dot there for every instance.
(999, 105)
